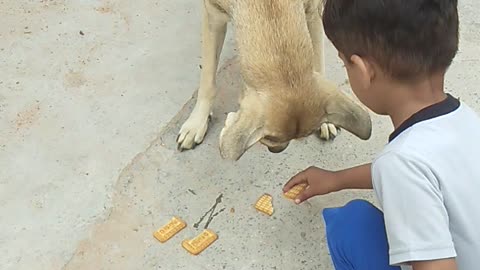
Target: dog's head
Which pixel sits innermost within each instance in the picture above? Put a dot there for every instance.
(274, 118)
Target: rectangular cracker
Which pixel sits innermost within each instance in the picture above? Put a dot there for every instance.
(198, 244)
(295, 191)
(264, 204)
(166, 232)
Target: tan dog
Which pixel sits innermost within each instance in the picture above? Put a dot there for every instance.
(280, 45)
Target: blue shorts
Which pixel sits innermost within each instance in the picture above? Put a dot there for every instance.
(356, 237)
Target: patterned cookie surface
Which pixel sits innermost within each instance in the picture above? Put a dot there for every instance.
(166, 232)
(198, 244)
(264, 204)
(295, 191)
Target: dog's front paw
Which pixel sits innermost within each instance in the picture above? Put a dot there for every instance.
(328, 131)
(192, 132)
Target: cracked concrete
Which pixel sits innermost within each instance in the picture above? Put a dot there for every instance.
(87, 85)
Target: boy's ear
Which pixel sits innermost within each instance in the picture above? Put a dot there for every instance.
(364, 68)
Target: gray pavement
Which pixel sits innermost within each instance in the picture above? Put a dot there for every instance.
(92, 94)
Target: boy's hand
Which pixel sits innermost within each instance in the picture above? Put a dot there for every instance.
(319, 182)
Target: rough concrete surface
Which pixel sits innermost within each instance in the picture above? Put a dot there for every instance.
(92, 94)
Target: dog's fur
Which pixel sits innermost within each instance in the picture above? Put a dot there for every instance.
(286, 96)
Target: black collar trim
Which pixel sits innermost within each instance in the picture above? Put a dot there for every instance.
(446, 106)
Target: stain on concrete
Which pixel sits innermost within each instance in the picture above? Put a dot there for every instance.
(49, 3)
(3, 103)
(74, 79)
(28, 116)
(107, 7)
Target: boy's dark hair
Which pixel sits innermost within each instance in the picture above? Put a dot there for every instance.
(408, 39)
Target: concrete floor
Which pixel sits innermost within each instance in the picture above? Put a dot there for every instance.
(92, 94)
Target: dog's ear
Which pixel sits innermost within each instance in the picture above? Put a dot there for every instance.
(343, 112)
(241, 131)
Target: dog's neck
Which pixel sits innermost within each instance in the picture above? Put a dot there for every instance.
(274, 43)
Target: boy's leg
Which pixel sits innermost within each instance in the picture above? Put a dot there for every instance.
(356, 237)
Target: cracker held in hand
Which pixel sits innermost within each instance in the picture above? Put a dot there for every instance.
(264, 204)
(198, 244)
(295, 191)
(166, 232)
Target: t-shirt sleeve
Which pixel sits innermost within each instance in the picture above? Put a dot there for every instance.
(416, 219)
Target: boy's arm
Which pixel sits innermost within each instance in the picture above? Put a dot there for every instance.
(359, 177)
(447, 264)
(322, 182)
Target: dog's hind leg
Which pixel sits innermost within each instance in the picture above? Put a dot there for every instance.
(214, 28)
(315, 27)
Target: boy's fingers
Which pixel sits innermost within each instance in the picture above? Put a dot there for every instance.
(305, 195)
(297, 179)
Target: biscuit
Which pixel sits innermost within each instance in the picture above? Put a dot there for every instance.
(170, 229)
(295, 191)
(198, 244)
(264, 204)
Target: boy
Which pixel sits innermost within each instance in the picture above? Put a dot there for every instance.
(427, 178)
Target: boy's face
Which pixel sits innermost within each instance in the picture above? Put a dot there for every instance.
(361, 74)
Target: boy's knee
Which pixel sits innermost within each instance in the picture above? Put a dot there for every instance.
(352, 209)
(356, 236)
(359, 205)
(351, 225)
(355, 215)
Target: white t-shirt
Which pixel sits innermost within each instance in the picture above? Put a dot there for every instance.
(427, 181)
